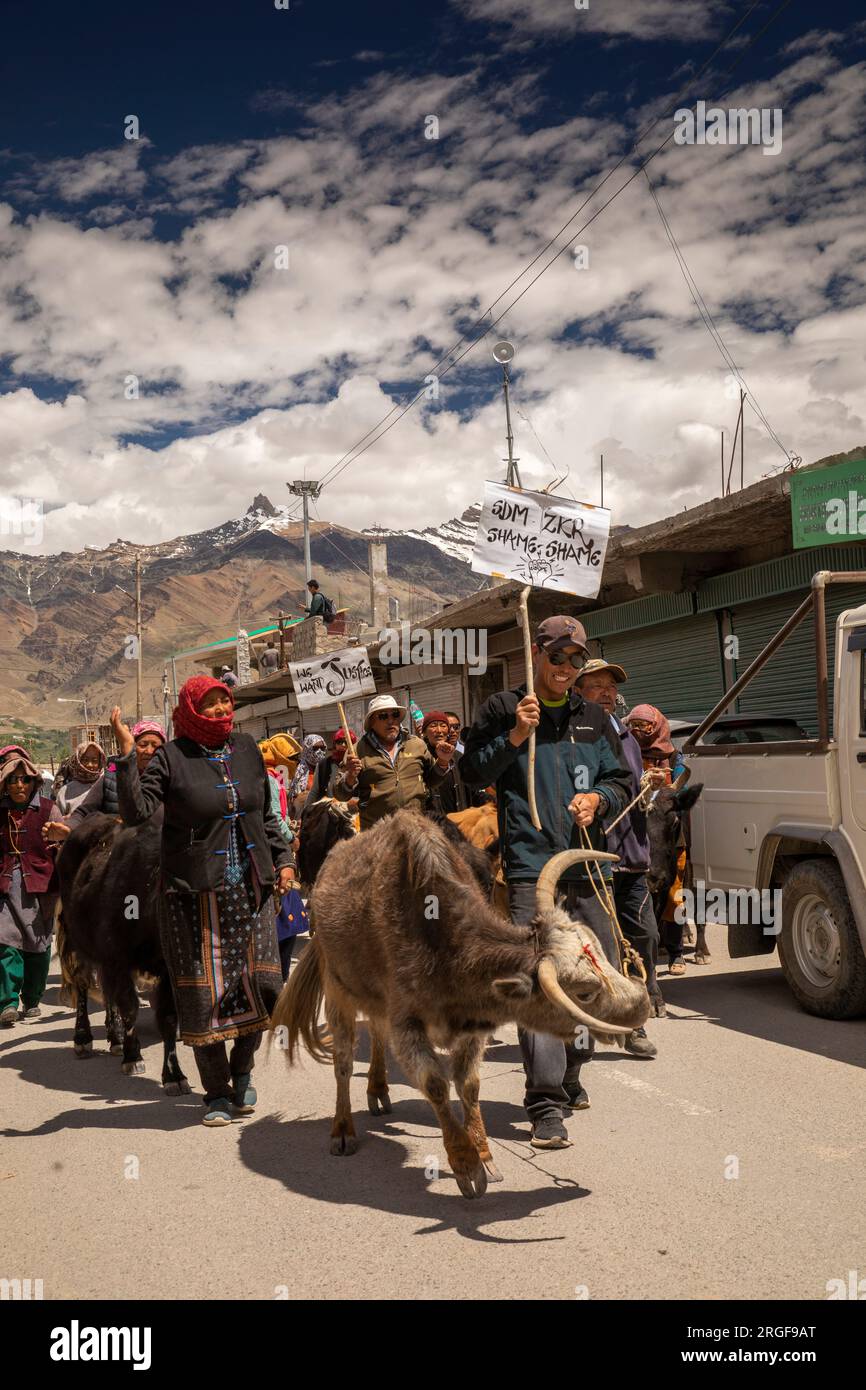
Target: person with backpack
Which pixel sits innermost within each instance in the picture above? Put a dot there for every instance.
(319, 606)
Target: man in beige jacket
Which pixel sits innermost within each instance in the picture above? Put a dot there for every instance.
(392, 769)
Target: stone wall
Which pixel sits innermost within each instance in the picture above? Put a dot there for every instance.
(310, 638)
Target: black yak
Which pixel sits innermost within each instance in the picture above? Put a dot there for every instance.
(109, 916)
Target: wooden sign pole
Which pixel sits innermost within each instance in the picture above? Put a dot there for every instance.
(530, 690)
(350, 747)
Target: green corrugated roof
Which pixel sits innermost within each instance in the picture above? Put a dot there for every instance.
(228, 641)
(639, 612)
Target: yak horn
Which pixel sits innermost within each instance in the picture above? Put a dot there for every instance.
(549, 982)
(681, 781)
(545, 888)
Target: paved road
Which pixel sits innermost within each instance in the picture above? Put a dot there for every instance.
(640, 1207)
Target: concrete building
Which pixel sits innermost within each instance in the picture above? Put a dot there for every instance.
(685, 605)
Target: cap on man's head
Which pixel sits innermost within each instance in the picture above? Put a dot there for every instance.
(598, 664)
(560, 631)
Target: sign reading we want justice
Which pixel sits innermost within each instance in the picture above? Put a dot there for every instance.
(548, 542)
(338, 676)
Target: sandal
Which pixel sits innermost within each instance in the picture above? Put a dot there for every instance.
(677, 967)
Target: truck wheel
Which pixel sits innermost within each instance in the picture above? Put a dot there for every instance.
(819, 947)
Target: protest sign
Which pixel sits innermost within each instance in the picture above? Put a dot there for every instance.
(338, 676)
(548, 542)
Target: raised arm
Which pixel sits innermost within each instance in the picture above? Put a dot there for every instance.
(139, 795)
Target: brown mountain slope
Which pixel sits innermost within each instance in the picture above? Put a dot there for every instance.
(64, 621)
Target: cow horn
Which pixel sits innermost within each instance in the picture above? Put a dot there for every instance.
(547, 978)
(681, 781)
(545, 888)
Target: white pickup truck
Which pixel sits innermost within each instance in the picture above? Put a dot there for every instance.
(792, 816)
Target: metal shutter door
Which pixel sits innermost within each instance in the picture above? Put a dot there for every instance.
(444, 694)
(786, 685)
(675, 666)
(516, 670)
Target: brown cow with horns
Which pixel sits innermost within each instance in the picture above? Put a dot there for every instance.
(404, 935)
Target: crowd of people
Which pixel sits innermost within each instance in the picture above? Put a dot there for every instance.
(228, 811)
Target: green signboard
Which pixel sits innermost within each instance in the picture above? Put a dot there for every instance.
(829, 504)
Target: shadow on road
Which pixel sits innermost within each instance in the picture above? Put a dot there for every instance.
(295, 1153)
(129, 1102)
(759, 1004)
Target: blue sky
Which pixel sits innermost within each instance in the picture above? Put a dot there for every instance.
(158, 368)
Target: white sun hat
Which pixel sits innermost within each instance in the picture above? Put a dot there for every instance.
(380, 702)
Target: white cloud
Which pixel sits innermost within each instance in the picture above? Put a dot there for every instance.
(681, 20)
(395, 241)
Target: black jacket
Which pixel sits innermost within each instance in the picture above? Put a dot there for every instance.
(195, 832)
(582, 753)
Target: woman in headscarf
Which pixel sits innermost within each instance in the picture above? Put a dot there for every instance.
(77, 776)
(653, 733)
(28, 887)
(148, 736)
(313, 750)
(221, 852)
(282, 751)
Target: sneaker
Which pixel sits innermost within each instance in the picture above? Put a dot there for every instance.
(218, 1112)
(244, 1095)
(577, 1097)
(549, 1133)
(30, 1015)
(639, 1044)
(9, 1017)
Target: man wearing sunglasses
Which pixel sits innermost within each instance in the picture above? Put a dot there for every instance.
(392, 769)
(581, 776)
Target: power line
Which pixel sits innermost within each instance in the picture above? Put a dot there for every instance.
(325, 536)
(708, 320)
(379, 430)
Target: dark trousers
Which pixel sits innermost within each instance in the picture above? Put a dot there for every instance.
(213, 1064)
(672, 939)
(634, 908)
(287, 946)
(549, 1063)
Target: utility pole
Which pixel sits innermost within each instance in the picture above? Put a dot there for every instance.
(742, 436)
(166, 702)
(601, 503)
(136, 598)
(305, 491)
(138, 709)
(503, 353)
(723, 463)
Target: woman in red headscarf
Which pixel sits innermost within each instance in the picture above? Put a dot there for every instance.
(221, 852)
